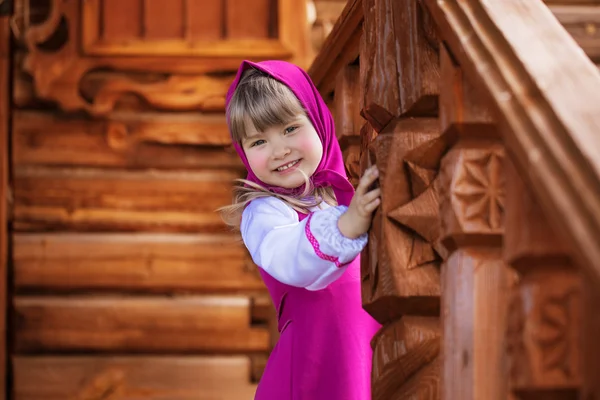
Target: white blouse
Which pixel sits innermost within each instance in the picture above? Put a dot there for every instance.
(311, 253)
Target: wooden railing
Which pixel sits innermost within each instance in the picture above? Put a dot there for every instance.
(483, 118)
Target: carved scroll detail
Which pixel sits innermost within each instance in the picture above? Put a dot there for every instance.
(76, 80)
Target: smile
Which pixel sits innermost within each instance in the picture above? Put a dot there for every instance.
(287, 166)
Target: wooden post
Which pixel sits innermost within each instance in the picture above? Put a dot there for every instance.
(400, 267)
(475, 280)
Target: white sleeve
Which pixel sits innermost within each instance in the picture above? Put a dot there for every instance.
(311, 253)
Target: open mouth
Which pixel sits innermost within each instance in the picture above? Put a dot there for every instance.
(288, 167)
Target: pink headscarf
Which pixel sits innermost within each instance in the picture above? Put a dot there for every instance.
(331, 171)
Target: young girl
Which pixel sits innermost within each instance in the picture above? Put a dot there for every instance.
(306, 245)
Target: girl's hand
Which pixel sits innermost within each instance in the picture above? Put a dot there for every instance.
(357, 219)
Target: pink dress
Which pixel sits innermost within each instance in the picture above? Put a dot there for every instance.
(313, 276)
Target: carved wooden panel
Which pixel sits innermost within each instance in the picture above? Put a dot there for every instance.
(77, 55)
(179, 27)
(475, 279)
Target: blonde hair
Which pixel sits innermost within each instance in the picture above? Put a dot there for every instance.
(262, 102)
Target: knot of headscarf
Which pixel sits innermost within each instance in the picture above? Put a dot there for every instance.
(331, 171)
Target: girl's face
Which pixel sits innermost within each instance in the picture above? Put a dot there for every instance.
(279, 155)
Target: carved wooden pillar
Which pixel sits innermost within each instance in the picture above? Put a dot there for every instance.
(400, 267)
(475, 280)
(545, 313)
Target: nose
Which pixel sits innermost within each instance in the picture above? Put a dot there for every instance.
(280, 149)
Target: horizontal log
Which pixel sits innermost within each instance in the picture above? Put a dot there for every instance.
(115, 200)
(158, 263)
(191, 324)
(126, 378)
(186, 140)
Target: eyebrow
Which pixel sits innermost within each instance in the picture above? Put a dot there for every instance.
(249, 138)
(257, 134)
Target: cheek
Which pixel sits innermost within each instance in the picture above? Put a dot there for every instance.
(311, 145)
(258, 161)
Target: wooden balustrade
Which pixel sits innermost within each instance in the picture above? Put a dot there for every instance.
(483, 119)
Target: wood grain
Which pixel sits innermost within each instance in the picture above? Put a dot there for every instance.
(133, 140)
(186, 324)
(113, 200)
(156, 263)
(125, 378)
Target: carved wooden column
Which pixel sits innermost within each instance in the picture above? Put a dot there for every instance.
(475, 280)
(545, 312)
(400, 267)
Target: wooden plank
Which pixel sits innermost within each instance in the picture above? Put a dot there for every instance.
(583, 23)
(189, 324)
(5, 103)
(157, 263)
(140, 141)
(127, 378)
(100, 200)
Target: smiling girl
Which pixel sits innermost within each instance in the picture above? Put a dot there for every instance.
(304, 226)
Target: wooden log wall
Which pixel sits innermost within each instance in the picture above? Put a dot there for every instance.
(126, 283)
(479, 293)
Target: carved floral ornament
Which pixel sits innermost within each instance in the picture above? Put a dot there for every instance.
(472, 189)
(80, 70)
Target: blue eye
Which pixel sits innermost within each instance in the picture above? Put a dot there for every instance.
(257, 143)
(290, 129)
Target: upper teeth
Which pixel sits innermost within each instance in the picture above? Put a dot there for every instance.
(286, 166)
